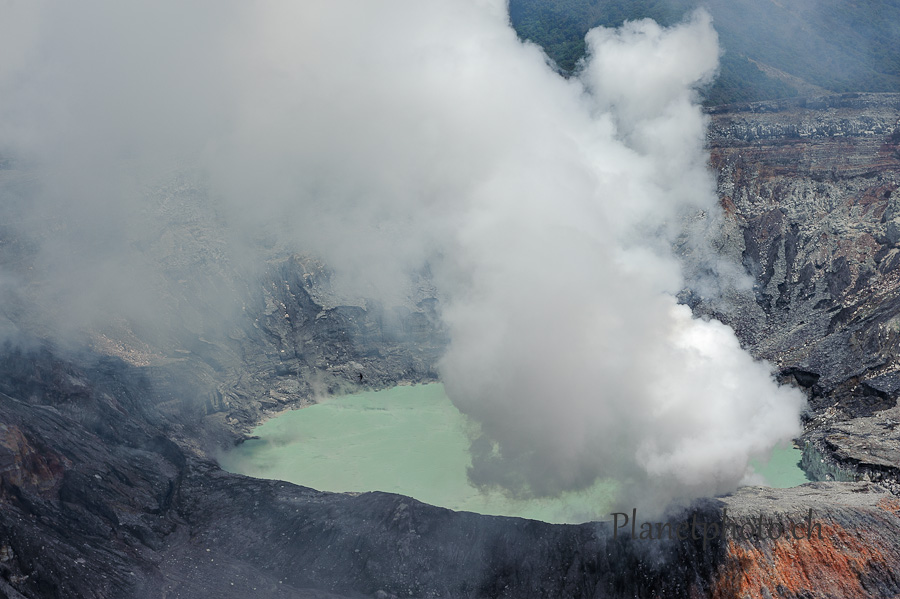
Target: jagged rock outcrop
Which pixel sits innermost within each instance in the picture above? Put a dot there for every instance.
(318, 343)
(811, 190)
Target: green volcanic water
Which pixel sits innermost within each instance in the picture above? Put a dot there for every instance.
(783, 468)
(413, 441)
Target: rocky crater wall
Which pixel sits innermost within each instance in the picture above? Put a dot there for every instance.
(108, 488)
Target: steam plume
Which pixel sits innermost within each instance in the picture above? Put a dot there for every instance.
(392, 134)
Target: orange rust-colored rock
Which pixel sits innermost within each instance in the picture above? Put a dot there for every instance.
(727, 205)
(828, 567)
(23, 465)
(890, 504)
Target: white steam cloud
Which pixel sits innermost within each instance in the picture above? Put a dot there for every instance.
(387, 135)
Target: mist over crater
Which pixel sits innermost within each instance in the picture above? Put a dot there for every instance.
(423, 137)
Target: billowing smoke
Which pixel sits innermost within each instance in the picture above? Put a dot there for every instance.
(568, 346)
(390, 135)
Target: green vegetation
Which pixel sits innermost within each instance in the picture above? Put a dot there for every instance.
(740, 80)
(559, 26)
(836, 45)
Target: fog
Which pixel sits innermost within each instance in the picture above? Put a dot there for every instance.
(385, 137)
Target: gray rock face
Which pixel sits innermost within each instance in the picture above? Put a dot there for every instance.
(810, 189)
(298, 347)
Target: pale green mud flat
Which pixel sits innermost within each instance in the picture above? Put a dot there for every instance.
(409, 440)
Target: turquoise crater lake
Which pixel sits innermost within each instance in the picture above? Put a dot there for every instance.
(413, 441)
